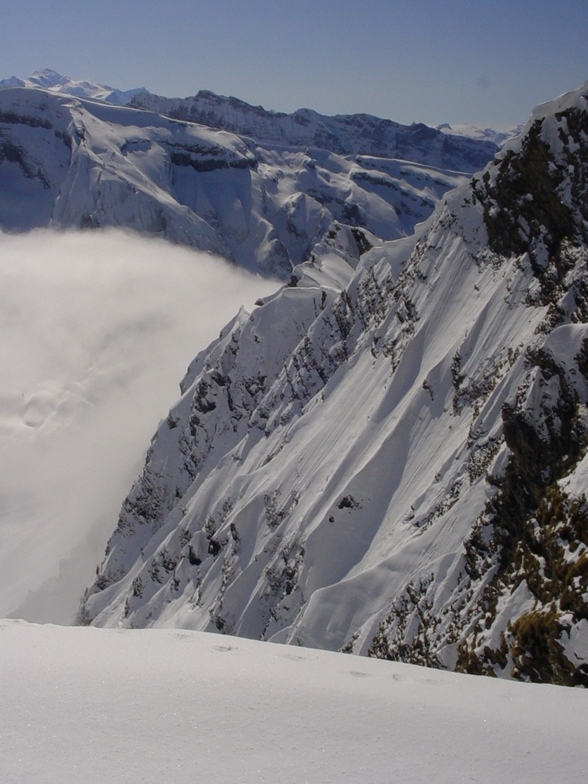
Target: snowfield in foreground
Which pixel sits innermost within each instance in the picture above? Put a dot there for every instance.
(96, 705)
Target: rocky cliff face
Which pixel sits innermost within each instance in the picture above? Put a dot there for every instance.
(391, 460)
(67, 162)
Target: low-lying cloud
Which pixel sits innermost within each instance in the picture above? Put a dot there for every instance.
(97, 331)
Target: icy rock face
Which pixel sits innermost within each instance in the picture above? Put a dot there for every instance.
(342, 134)
(392, 464)
(67, 162)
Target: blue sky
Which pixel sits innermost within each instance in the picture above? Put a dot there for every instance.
(427, 61)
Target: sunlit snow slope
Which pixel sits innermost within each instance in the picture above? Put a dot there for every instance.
(96, 705)
(395, 468)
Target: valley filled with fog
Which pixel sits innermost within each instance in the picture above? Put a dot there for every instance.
(98, 329)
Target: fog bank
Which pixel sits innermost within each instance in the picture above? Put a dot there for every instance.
(97, 331)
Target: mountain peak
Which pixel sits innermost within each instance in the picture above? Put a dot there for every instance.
(48, 79)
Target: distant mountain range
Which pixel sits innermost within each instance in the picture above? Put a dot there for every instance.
(63, 85)
(232, 114)
(355, 134)
(483, 134)
(72, 156)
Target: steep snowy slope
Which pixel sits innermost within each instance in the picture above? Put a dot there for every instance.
(343, 134)
(66, 162)
(396, 468)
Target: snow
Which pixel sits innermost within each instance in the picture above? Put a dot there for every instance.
(369, 431)
(476, 132)
(344, 134)
(76, 162)
(576, 483)
(86, 705)
(48, 79)
(547, 112)
(572, 99)
(390, 393)
(302, 506)
(576, 647)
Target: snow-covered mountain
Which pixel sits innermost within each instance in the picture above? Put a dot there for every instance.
(347, 134)
(391, 460)
(56, 83)
(477, 132)
(68, 162)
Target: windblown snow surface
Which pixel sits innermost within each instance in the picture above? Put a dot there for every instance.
(88, 706)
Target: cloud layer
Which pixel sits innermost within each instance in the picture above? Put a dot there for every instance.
(97, 331)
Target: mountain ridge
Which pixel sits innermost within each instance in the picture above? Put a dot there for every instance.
(477, 132)
(69, 162)
(47, 79)
(208, 106)
(394, 467)
(389, 456)
(361, 134)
